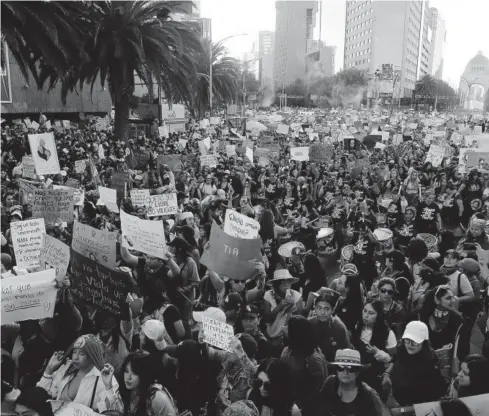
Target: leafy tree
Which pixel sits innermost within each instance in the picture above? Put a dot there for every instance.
(351, 77)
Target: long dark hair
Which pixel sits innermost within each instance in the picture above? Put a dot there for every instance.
(454, 407)
(115, 333)
(35, 398)
(380, 330)
(267, 222)
(314, 271)
(302, 339)
(479, 374)
(281, 399)
(429, 303)
(147, 366)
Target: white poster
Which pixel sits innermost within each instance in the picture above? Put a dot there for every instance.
(139, 197)
(209, 160)
(283, 129)
(435, 155)
(217, 333)
(81, 166)
(215, 121)
(249, 154)
(27, 241)
(109, 197)
(43, 149)
(55, 255)
(164, 204)
(30, 296)
(230, 150)
(476, 404)
(28, 167)
(98, 245)
(143, 235)
(299, 153)
(240, 226)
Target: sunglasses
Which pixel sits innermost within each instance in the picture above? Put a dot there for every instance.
(266, 384)
(390, 292)
(408, 341)
(349, 368)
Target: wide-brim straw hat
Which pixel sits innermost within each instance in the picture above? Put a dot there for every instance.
(282, 274)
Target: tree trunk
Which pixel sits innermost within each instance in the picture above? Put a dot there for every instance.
(121, 118)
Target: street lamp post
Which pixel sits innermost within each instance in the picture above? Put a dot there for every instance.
(211, 57)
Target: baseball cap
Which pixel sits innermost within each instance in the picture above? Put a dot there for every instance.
(251, 311)
(416, 331)
(232, 301)
(155, 331)
(211, 312)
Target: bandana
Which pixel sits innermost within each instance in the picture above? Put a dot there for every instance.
(93, 347)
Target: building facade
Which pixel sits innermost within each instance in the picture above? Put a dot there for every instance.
(389, 32)
(320, 59)
(437, 35)
(294, 26)
(266, 42)
(474, 83)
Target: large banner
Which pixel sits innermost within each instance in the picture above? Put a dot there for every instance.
(30, 296)
(27, 241)
(143, 235)
(98, 285)
(43, 150)
(230, 256)
(53, 204)
(99, 245)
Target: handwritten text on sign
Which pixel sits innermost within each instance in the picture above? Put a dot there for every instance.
(240, 226)
(165, 204)
(98, 285)
(435, 155)
(31, 296)
(99, 245)
(299, 153)
(217, 333)
(139, 197)
(143, 235)
(52, 204)
(27, 241)
(208, 160)
(55, 255)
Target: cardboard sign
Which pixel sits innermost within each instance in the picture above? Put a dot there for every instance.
(26, 190)
(28, 167)
(139, 197)
(109, 198)
(66, 124)
(209, 160)
(321, 153)
(30, 296)
(240, 226)
(143, 235)
(27, 241)
(299, 153)
(230, 256)
(98, 245)
(217, 333)
(263, 161)
(476, 404)
(163, 132)
(164, 204)
(141, 157)
(81, 166)
(55, 255)
(202, 148)
(283, 129)
(53, 204)
(98, 285)
(43, 150)
(173, 161)
(215, 121)
(182, 143)
(249, 154)
(62, 408)
(230, 150)
(435, 155)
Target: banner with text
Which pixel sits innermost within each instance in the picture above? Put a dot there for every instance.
(99, 245)
(53, 204)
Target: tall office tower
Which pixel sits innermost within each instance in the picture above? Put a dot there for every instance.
(437, 34)
(294, 26)
(389, 33)
(266, 40)
(320, 59)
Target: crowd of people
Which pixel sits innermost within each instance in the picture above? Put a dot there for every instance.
(374, 273)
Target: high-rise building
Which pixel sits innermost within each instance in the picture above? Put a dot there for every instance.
(320, 59)
(294, 26)
(389, 33)
(266, 40)
(436, 36)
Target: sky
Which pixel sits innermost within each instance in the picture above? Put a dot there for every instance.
(466, 23)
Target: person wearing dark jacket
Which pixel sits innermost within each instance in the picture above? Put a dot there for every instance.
(414, 376)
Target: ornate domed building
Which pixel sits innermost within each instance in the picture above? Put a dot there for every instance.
(474, 83)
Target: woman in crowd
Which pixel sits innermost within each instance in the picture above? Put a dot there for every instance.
(345, 393)
(77, 380)
(393, 311)
(273, 391)
(397, 269)
(473, 377)
(33, 401)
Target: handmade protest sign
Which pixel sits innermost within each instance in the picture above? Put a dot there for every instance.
(26, 190)
(283, 129)
(202, 148)
(215, 121)
(217, 333)
(173, 161)
(55, 255)
(163, 132)
(81, 166)
(164, 204)
(43, 150)
(78, 194)
(477, 405)
(261, 152)
(435, 155)
(27, 241)
(320, 153)
(109, 198)
(240, 226)
(139, 197)
(28, 167)
(249, 154)
(230, 150)
(143, 235)
(230, 256)
(299, 153)
(141, 157)
(120, 181)
(53, 204)
(209, 160)
(62, 408)
(476, 159)
(98, 285)
(30, 296)
(99, 245)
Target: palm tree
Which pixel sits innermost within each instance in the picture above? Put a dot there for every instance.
(225, 76)
(427, 86)
(42, 33)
